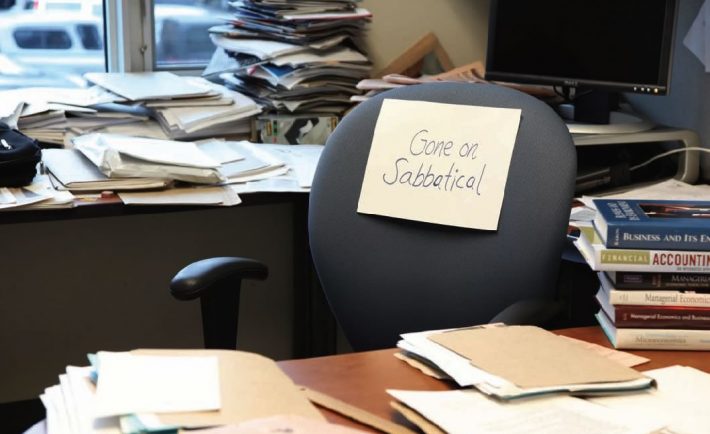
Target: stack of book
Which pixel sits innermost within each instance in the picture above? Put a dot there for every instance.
(293, 56)
(653, 259)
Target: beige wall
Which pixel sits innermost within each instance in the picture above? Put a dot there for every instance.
(460, 25)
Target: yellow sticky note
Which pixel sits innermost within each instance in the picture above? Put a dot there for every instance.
(439, 163)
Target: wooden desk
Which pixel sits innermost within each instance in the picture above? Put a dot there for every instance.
(361, 378)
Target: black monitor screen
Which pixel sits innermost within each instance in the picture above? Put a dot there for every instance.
(614, 44)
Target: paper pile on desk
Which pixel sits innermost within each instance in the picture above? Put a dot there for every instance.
(70, 170)
(125, 156)
(185, 107)
(466, 411)
(680, 401)
(38, 195)
(161, 104)
(164, 390)
(293, 57)
(510, 362)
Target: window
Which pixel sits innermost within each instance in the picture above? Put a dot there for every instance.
(90, 36)
(34, 38)
(50, 42)
(180, 32)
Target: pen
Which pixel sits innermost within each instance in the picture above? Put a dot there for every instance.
(5, 144)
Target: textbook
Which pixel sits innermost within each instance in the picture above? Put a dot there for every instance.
(653, 339)
(654, 316)
(652, 297)
(637, 280)
(602, 258)
(654, 224)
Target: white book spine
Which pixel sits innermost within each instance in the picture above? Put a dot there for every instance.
(659, 298)
(662, 339)
(601, 258)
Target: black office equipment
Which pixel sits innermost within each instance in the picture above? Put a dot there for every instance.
(19, 156)
(594, 48)
(385, 276)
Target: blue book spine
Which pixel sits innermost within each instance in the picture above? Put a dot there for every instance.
(654, 224)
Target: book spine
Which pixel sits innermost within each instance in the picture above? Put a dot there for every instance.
(659, 339)
(652, 260)
(661, 317)
(629, 280)
(659, 298)
(627, 235)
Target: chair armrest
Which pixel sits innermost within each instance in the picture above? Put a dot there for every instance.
(198, 278)
(217, 283)
(530, 312)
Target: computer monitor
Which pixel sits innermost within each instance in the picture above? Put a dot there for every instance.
(591, 49)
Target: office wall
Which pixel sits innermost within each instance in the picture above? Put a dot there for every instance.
(460, 25)
(688, 105)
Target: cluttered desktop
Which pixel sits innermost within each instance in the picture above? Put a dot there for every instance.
(401, 209)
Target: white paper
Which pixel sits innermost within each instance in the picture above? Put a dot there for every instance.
(159, 151)
(674, 188)
(130, 383)
(146, 85)
(467, 411)
(302, 159)
(439, 163)
(216, 196)
(60, 425)
(128, 157)
(680, 401)
(220, 151)
(84, 396)
(263, 49)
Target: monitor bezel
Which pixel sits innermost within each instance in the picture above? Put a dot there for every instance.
(661, 88)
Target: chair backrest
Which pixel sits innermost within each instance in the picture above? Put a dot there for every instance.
(385, 276)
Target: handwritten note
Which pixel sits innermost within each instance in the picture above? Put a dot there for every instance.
(439, 163)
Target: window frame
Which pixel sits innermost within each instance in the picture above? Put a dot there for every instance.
(130, 41)
(124, 28)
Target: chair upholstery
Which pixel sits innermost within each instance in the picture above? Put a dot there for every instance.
(384, 276)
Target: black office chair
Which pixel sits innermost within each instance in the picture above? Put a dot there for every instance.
(385, 276)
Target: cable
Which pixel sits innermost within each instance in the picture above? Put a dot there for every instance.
(665, 154)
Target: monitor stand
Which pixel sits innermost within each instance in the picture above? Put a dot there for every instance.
(592, 111)
(620, 122)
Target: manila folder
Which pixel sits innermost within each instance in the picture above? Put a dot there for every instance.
(251, 386)
(529, 356)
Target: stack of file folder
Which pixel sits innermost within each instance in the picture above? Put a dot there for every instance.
(516, 379)
(510, 362)
(293, 56)
(165, 391)
(211, 172)
(159, 105)
(185, 107)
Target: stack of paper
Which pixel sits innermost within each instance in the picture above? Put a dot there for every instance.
(154, 104)
(186, 107)
(467, 411)
(511, 362)
(165, 390)
(70, 170)
(38, 195)
(46, 114)
(125, 156)
(679, 402)
(293, 56)
(226, 114)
